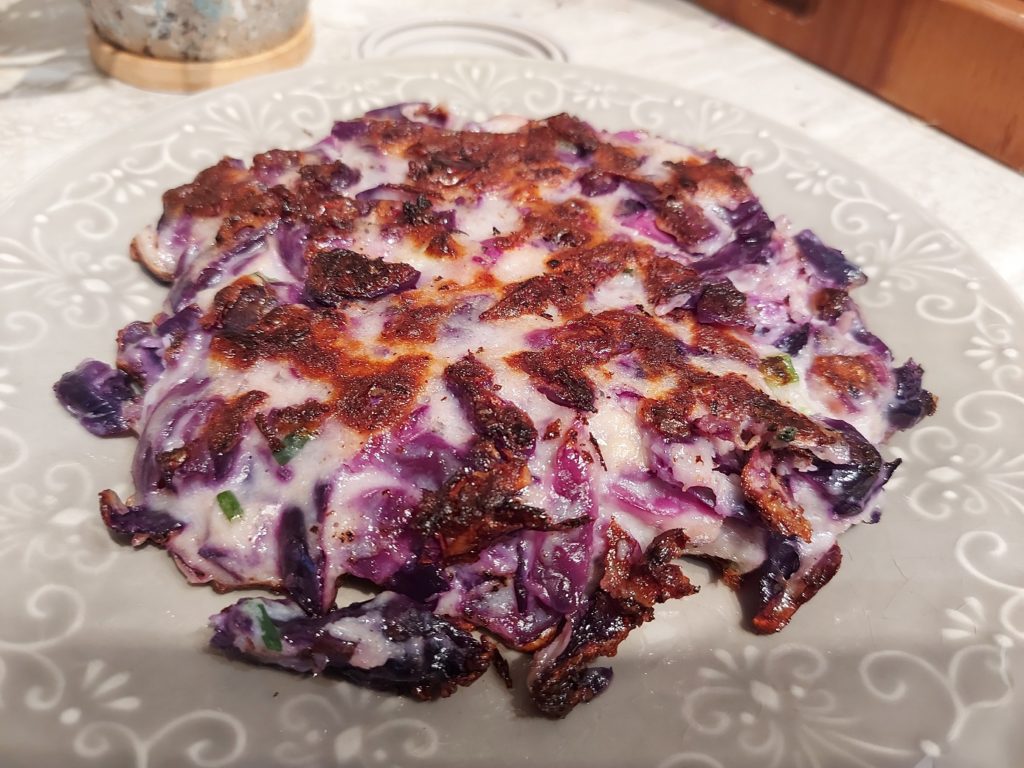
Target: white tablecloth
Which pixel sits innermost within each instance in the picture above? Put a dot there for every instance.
(53, 103)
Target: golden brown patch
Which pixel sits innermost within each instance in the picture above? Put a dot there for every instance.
(414, 323)
(279, 423)
(849, 378)
(368, 393)
(772, 499)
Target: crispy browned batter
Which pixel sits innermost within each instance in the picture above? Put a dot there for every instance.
(778, 610)
(772, 499)
(368, 393)
(495, 419)
(280, 423)
(850, 378)
(415, 323)
(220, 434)
(340, 275)
(666, 278)
(633, 581)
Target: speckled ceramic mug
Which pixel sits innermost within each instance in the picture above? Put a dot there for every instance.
(196, 30)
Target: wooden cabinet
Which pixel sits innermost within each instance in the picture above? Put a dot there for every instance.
(958, 64)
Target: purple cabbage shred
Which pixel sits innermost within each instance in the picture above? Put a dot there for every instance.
(101, 398)
(831, 266)
(911, 403)
(390, 643)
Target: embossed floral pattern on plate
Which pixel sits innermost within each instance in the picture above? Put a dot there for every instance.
(913, 655)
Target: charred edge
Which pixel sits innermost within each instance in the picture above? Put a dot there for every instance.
(641, 580)
(782, 595)
(633, 582)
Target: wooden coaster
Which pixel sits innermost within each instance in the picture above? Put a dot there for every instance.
(188, 76)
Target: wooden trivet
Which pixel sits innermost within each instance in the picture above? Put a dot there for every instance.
(187, 76)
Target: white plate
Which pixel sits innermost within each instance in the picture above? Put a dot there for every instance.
(912, 656)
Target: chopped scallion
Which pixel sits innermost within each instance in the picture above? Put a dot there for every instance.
(268, 631)
(229, 505)
(786, 434)
(778, 370)
(290, 446)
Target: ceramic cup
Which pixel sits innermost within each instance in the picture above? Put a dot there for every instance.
(196, 30)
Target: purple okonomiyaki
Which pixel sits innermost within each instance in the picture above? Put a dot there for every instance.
(507, 372)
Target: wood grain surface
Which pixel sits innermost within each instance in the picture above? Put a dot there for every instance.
(958, 64)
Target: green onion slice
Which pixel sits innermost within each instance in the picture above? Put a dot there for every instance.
(269, 633)
(786, 434)
(291, 446)
(778, 370)
(229, 505)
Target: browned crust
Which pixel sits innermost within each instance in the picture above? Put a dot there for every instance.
(475, 507)
(647, 579)
(716, 176)
(279, 423)
(666, 278)
(219, 436)
(848, 378)
(496, 420)
(778, 611)
(831, 303)
(772, 499)
(479, 503)
(414, 323)
(572, 275)
(684, 220)
(240, 305)
(633, 581)
(340, 275)
(211, 192)
(724, 302)
(368, 394)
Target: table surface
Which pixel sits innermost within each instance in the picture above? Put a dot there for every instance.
(53, 102)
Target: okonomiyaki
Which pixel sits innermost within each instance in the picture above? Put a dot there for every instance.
(507, 372)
